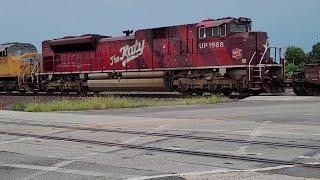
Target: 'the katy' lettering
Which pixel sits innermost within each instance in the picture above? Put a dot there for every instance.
(128, 53)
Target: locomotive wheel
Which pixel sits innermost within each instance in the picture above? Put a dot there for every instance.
(272, 87)
(255, 92)
(5, 89)
(227, 92)
(188, 93)
(244, 93)
(199, 92)
(311, 91)
(83, 91)
(50, 91)
(299, 89)
(65, 92)
(300, 92)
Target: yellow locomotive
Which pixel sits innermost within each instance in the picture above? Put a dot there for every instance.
(18, 65)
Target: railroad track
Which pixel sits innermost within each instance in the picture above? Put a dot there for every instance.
(36, 94)
(169, 135)
(177, 151)
(118, 94)
(106, 94)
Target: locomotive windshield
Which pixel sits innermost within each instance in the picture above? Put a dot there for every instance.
(16, 49)
(238, 28)
(3, 53)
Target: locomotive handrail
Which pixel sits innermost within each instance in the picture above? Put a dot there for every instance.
(254, 54)
(35, 70)
(264, 53)
(260, 62)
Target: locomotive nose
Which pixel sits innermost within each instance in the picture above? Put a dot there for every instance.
(260, 40)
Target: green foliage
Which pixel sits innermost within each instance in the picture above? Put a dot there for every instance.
(116, 102)
(290, 68)
(295, 55)
(19, 106)
(315, 53)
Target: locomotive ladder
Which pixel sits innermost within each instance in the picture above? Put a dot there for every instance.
(34, 73)
(255, 72)
(22, 74)
(28, 68)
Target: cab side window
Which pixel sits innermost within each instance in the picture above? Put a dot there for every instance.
(202, 33)
(3, 53)
(223, 30)
(213, 32)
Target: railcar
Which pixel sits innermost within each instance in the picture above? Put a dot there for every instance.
(214, 55)
(18, 62)
(306, 82)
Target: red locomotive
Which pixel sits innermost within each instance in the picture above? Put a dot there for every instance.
(219, 56)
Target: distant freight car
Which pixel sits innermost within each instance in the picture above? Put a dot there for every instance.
(306, 82)
(17, 66)
(214, 55)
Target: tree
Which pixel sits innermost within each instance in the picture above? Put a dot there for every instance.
(315, 53)
(295, 55)
(290, 69)
(294, 59)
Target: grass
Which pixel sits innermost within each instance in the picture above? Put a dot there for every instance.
(112, 103)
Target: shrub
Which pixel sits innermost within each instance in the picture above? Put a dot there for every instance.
(19, 106)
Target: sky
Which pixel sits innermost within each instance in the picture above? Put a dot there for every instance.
(288, 22)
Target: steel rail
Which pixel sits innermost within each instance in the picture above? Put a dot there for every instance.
(178, 151)
(168, 135)
(132, 95)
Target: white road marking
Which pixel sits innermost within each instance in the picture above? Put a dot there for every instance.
(197, 130)
(308, 157)
(16, 140)
(212, 172)
(56, 169)
(255, 133)
(309, 114)
(286, 133)
(294, 128)
(281, 133)
(314, 163)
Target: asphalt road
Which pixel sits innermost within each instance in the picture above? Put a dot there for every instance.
(284, 129)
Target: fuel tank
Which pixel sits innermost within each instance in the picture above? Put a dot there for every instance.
(151, 84)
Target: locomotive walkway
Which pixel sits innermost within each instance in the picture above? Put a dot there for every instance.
(259, 137)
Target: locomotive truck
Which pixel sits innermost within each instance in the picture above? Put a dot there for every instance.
(214, 55)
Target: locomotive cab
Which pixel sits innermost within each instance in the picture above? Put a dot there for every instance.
(238, 52)
(18, 63)
(223, 27)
